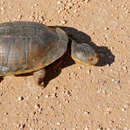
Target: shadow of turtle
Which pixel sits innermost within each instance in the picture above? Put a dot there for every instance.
(53, 70)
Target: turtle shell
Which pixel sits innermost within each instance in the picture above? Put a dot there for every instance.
(29, 46)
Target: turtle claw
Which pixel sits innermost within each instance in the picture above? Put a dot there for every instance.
(39, 77)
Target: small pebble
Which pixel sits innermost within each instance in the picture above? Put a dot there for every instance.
(98, 128)
(21, 126)
(37, 97)
(108, 129)
(86, 113)
(117, 81)
(20, 98)
(58, 2)
(46, 96)
(86, 128)
(101, 70)
(106, 28)
(63, 22)
(108, 110)
(75, 11)
(35, 4)
(58, 123)
(89, 71)
(37, 106)
(123, 109)
(6, 113)
(19, 16)
(1, 8)
(41, 18)
(86, 1)
(59, 11)
(113, 80)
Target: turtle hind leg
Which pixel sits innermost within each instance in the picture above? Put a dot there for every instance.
(39, 77)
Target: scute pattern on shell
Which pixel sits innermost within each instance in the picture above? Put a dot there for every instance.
(29, 46)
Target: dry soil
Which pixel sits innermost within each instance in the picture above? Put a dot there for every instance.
(76, 97)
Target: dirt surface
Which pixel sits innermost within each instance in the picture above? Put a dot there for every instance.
(76, 97)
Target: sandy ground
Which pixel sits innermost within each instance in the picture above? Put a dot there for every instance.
(76, 97)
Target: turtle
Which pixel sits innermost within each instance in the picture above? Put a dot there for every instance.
(29, 47)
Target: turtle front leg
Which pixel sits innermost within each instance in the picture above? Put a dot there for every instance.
(39, 77)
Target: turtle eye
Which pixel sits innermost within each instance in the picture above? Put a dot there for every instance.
(90, 59)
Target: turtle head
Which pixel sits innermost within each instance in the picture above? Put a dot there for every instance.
(83, 53)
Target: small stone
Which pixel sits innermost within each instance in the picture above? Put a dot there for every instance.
(113, 80)
(1, 8)
(19, 16)
(6, 113)
(89, 71)
(55, 88)
(53, 95)
(46, 96)
(75, 11)
(63, 22)
(86, 1)
(86, 128)
(35, 4)
(117, 81)
(41, 18)
(86, 113)
(59, 11)
(69, 93)
(37, 97)
(125, 68)
(20, 98)
(108, 110)
(106, 28)
(123, 109)
(21, 126)
(101, 70)
(58, 123)
(51, 108)
(98, 129)
(106, 37)
(58, 2)
(37, 106)
(67, 101)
